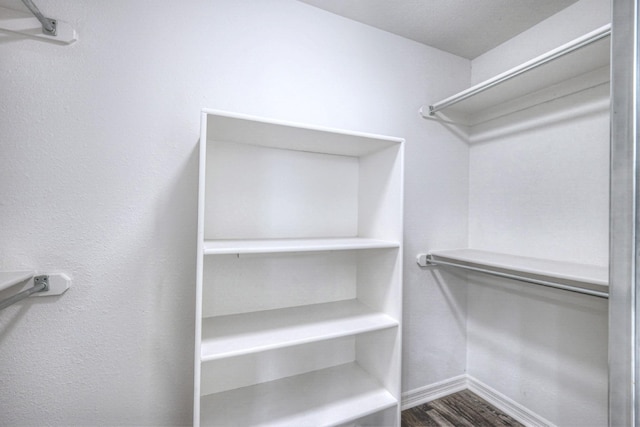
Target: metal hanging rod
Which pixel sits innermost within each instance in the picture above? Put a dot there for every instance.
(574, 45)
(40, 284)
(556, 285)
(49, 26)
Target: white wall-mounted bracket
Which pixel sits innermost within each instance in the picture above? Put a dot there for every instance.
(57, 285)
(24, 23)
(423, 260)
(42, 285)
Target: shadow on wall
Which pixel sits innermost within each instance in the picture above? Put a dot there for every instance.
(550, 338)
(587, 103)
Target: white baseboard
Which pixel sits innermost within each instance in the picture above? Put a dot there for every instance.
(466, 382)
(433, 391)
(507, 405)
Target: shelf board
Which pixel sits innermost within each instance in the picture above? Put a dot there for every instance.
(473, 105)
(331, 396)
(11, 278)
(238, 334)
(583, 276)
(260, 246)
(240, 128)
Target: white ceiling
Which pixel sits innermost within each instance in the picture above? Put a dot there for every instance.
(467, 28)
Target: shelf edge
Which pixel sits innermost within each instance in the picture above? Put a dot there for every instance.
(298, 125)
(284, 344)
(281, 246)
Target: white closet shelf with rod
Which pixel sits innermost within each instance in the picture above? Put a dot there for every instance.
(43, 285)
(575, 66)
(574, 277)
(35, 24)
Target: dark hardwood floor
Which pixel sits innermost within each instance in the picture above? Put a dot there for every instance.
(462, 409)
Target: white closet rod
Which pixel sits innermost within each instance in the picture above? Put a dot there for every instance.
(556, 285)
(576, 44)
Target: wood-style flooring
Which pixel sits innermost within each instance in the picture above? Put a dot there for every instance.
(462, 409)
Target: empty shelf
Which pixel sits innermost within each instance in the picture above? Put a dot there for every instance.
(219, 247)
(11, 278)
(245, 129)
(238, 334)
(327, 397)
(590, 279)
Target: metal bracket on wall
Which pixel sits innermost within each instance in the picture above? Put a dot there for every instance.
(43, 285)
(428, 260)
(35, 25)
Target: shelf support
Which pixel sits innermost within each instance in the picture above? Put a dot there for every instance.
(43, 285)
(40, 284)
(430, 260)
(36, 25)
(48, 25)
(574, 45)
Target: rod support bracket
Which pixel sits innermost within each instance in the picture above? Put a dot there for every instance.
(424, 260)
(42, 280)
(50, 27)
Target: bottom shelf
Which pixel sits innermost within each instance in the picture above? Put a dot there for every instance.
(327, 397)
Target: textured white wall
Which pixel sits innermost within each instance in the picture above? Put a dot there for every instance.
(539, 187)
(99, 180)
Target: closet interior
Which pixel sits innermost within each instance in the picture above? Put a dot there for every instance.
(536, 263)
(300, 234)
(295, 213)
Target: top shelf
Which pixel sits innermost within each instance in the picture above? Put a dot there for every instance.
(240, 128)
(578, 60)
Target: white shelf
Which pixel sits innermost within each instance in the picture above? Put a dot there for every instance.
(12, 278)
(541, 79)
(239, 334)
(258, 246)
(246, 129)
(327, 397)
(581, 275)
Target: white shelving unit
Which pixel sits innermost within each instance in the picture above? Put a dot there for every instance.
(573, 67)
(299, 280)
